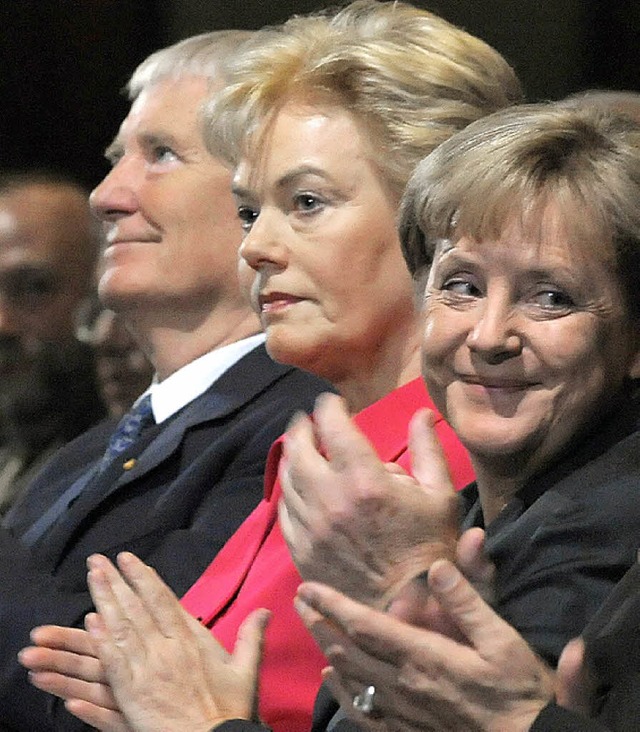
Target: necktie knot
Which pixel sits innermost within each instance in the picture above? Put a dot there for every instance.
(128, 430)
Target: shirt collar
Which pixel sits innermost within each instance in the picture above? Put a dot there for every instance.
(183, 386)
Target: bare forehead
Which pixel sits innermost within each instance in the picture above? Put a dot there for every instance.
(305, 139)
(42, 221)
(170, 98)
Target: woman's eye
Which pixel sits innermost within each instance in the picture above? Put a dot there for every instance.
(553, 299)
(307, 202)
(247, 216)
(460, 286)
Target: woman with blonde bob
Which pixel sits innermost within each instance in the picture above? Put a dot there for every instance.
(323, 120)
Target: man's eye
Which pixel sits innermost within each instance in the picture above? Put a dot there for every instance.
(164, 154)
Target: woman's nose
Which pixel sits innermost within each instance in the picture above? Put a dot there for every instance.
(264, 245)
(495, 334)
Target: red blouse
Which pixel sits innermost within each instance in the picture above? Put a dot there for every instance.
(254, 568)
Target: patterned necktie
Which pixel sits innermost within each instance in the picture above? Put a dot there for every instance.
(128, 430)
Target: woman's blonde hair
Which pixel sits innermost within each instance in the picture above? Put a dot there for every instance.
(409, 76)
(512, 165)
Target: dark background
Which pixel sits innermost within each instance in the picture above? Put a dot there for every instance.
(63, 62)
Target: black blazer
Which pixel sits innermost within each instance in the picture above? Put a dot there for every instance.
(612, 640)
(191, 487)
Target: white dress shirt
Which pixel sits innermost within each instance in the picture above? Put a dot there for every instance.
(183, 386)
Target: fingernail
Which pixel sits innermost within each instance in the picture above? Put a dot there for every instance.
(443, 575)
(300, 605)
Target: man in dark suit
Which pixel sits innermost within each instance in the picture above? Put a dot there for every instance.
(183, 484)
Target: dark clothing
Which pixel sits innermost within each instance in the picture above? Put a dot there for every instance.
(195, 478)
(49, 408)
(556, 719)
(565, 540)
(612, 641)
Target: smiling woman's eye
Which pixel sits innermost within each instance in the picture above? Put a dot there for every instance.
(553, 298)
(247, 216)
(460, 285)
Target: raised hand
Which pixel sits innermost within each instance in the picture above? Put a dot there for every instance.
(350, 521)
(488, 681)
(165, 670)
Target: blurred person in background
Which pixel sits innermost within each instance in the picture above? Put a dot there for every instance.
(49, 244)
(122, 368)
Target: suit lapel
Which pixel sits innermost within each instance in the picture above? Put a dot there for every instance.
(241, 383)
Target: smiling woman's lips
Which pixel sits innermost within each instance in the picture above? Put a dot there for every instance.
(497, 383)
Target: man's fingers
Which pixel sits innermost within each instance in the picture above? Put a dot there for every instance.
(104, 720)
(122, 612)
(159, 602)
(74, 640)
(36, 658)
(66, 687)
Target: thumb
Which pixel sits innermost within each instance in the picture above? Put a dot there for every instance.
(428, 463)
(478, 622)
(247, 653)
(574, 686)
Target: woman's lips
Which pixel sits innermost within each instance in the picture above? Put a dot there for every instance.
(274, 302)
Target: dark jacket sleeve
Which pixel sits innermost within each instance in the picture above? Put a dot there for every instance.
(240, 725)
(556, 719)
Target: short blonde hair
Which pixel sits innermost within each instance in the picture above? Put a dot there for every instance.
(517, 161)
(202, 55)
(409, 76)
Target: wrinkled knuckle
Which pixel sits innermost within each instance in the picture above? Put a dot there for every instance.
(411, 678)
(121, 633)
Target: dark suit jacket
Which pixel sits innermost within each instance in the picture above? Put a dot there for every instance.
(192, 485)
